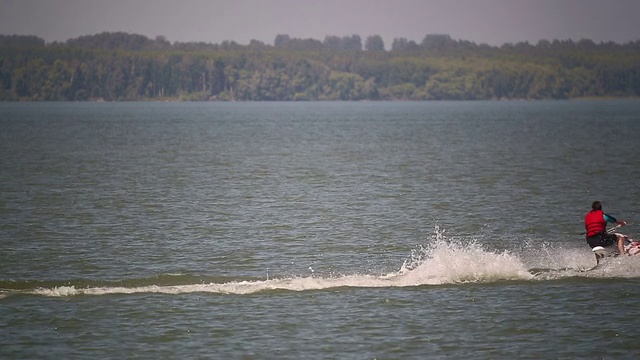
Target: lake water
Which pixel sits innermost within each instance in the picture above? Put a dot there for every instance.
(387, 230)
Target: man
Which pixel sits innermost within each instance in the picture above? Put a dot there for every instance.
(596, 224)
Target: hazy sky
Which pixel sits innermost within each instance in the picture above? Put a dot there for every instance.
(494, 22)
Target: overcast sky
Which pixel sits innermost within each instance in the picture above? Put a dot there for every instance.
(494, 22)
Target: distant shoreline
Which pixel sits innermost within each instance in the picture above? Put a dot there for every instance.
(126, 67)
(178, 100)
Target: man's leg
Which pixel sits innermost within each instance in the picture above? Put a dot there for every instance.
(620, 239)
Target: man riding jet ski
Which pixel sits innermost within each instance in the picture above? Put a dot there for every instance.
(601, 240)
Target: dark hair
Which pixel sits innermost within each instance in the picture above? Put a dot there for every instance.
(596, 205)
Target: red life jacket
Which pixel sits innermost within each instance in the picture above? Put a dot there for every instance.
(594, 222)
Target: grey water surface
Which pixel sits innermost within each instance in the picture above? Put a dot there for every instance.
(321, 230)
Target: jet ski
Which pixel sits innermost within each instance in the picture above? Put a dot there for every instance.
(631, 247)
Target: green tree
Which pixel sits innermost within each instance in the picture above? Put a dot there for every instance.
(374, 43)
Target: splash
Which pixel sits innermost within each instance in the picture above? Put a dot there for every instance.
(447, 261)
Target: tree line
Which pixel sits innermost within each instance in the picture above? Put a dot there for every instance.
(121, 66)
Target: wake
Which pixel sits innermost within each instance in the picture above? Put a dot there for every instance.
(443, 261)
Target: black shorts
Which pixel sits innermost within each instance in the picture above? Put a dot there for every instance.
(602, 239)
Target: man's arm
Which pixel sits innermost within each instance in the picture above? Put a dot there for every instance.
(611, 219)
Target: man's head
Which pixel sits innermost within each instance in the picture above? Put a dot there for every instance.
(596, 205)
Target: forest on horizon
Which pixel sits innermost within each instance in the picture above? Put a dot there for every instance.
(120, 66)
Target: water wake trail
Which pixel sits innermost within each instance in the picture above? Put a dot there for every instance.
(441, 261)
